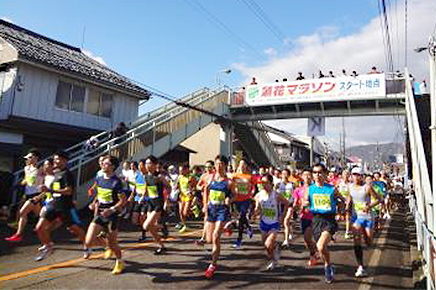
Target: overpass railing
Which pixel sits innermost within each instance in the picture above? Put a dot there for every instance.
(421, 199)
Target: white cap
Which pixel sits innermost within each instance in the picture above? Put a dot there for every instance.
(357, 170)
(28, 156)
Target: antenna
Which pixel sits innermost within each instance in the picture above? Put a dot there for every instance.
(83, 36)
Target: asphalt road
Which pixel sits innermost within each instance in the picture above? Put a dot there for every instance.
(184, 265)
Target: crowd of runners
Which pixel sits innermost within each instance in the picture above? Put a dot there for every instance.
(227, 200)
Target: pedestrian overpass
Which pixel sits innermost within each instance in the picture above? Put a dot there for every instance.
(239, 113)
(365, 95)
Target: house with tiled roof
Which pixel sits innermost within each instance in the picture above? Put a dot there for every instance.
(52, 95)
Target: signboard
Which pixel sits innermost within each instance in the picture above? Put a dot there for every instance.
(317, 90)
(316, 126)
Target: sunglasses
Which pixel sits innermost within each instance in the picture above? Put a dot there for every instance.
(317, 172)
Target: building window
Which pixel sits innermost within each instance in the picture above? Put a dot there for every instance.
(99, 103)
(93, 105)
(70, 96)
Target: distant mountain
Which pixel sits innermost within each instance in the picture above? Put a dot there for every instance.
(375, 152)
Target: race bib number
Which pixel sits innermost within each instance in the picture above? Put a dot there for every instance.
(242, 188)
(56, 185)
(288, 194)
(217, 197)
(322, 202)
(31, 180)
(104, 195)
(343, 190)
(359, 207)
(184, 185)
(152, 191)
(140, 189)
(269, 213)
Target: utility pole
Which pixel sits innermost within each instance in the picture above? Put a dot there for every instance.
(344, 158)
(432, 59)
(311, 150)
(326, 155)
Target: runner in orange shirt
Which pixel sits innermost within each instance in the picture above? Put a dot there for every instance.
(244, 187)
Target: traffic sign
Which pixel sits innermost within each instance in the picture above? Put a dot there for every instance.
(316, 126)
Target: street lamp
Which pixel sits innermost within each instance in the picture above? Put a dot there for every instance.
(225, 71)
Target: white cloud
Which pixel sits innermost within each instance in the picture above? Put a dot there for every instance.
(94, 57)
(270, 51)
(359, 51)
(7, 19)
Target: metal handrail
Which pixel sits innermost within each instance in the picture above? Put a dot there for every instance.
(269, 143)
(266, 141)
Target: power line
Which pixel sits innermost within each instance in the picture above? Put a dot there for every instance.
(223, 27)
(386, 34)
(405, 33)
(383, 32)
(262, 16)
(397, 30)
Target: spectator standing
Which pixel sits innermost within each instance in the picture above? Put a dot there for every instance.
(253, 81)
(321, 75)
(374, 71)
(300, 76)
(120, 130)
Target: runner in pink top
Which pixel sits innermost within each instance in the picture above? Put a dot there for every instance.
(306, 216)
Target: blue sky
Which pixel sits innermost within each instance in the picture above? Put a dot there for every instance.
(172, 44)
(176, 47)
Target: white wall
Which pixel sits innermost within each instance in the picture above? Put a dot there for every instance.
(36, 100)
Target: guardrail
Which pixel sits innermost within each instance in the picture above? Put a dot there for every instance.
(422, 206)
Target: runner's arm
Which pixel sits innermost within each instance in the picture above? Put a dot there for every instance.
(68, 190)
(338, 195)
(283, 199)
(256, 211)
(372, 193)
(205, 198)
(306, 202)
(232, 191)
(348, 202)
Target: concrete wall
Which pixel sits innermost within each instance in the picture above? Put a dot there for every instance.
(206, 143)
